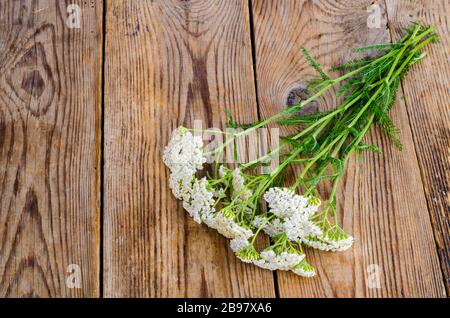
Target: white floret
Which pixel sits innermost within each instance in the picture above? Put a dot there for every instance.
(247, 254)
(265, 265)
(239, 243)
(272, 228)
(259, 221)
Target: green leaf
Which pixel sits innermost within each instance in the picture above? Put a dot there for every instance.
(310, 144)
(337, 164)
(351, 65)
(303, 119)
(232, 124)
(368, 147)
(378, 47)
(390, 130)
(315, 65)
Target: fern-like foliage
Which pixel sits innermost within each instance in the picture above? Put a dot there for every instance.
(315, 65)
(378, 47)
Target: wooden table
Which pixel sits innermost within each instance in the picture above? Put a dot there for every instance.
(86, 111)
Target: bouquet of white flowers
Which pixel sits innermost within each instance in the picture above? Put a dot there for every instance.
(241, 203)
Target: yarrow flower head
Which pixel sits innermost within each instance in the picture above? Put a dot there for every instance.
(298, 226)
(184, 156)
(248, 254)
(333, 239)
(239, 243)
(184, 151)
(283, 202)
(304, 269)
(338, 238)
(292, 213)
(282, 259)
(228, 227)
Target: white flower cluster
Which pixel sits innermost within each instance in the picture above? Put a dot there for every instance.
(299, 226)
(184, 152)
(292, 213)
(184, 156)
(333, 239)
(271, 228)
(272, 258)
(284, 260)
(199, 201)
(228, 227)
(283, 202)
(239, 243)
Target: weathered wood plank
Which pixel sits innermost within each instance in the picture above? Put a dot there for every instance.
(49, 149)
(169, 63)
(427, 97)
(382, 201)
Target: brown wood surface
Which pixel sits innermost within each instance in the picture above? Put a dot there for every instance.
(49, 149)
(427, 101)
(168, 63)
(382, 201)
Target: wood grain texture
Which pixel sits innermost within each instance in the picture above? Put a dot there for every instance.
(49, 148)
(427, 97)
(381, 201)
(169, 63)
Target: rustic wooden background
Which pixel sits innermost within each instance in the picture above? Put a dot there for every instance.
(85, 113)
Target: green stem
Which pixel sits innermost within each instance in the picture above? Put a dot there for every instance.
(260, 228)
